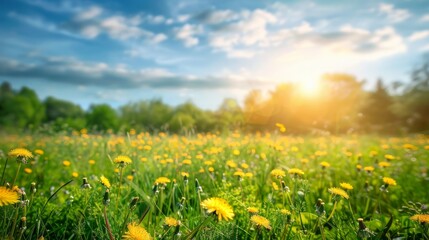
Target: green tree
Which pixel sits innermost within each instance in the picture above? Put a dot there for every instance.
(102, 117)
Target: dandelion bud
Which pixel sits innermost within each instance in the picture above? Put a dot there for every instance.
(363, 231)
(198, 186)
(320, 207)
(33, 188)
(155, 189)
(133, 202)
(106, 198)
(284, 187)
(85, 184)
(23, 223)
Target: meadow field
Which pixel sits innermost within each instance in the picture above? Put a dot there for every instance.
(208, 186)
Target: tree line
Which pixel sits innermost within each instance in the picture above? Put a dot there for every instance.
(342, 105)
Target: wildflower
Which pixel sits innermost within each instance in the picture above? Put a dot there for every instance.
(346, 186)
(296, 171)
(211, 169)
(28, 170)
(21, 154)
(358, 167)
(219, 207)
(369, 169)
(389, 157)
(39, 152)
(231, 164)
(171, 222)
(91, 162)
(187, 162)
(422, 218)
(75, 174)
(325, 164)
(136, 232)
(162, 180)
(123, 160)
(281, 127)
(66, 163)
(8, 196)
(252, 210)
(239, 174)
(104, 181)
(389, 181)
(285, 212)
(383, 164)
(338, 191)
(275, 186)
(260, 221)
(236, 152)
(130, 177)
(249, 174)
(278, 173)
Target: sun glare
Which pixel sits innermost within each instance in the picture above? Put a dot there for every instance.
(309, 88)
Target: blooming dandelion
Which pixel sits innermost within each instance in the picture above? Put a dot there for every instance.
(325, 165)
(136, 232)
(162, 180)
(421, 218)
(387, 182)
(104, 181)
(122, 160)
(278, 173)
(28, 170)
(338, 192)
(21, 154)
(295, 171)
(252, 210)
(66, 163)
(171, 222)
(260, 221)
(219, 207)
(8, 196)
(346, 186)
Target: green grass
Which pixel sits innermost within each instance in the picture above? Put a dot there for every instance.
(61, 209)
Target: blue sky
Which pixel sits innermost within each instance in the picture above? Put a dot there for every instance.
(200, 50)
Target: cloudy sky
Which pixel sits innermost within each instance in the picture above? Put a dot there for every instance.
(202, 50)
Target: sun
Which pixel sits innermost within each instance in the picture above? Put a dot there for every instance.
(308, 88)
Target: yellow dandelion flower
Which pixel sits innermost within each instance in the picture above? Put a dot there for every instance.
(421, 218)
(275, 186)
(369, 169)
(281, 127)
(296, 171)
(162, 180)
(220, 207)
(260, 221)
(339, 191)
(136, 232)
(389, 181)
(285, 212)
(8, 196)
(20, 153)
(346, 186)
(91, 162)
(66, 163)
(236, 152)
(105, 182)
(358, 167)
(75, 174)
(184, 174)
(130, 177)
(171, 222)
(304, 160)
(187, 162)
(389, 157)
(325, 164)
(231, 164)
(211, 169)
(239, 174)
(248, 174)
(245, 165)
(123, 160)
(278, 173)
(39, 152)
(28, 170)
(117, 170)
(252, 210)
(383, 164)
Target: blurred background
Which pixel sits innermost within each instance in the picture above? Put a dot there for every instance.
(328, 67)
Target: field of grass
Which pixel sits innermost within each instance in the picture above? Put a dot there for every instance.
(239, 186)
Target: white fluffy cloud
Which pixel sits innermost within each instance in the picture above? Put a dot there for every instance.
(393, 14)
(187, 33)
(419, 35)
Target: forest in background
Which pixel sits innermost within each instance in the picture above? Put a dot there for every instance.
(342, 106)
